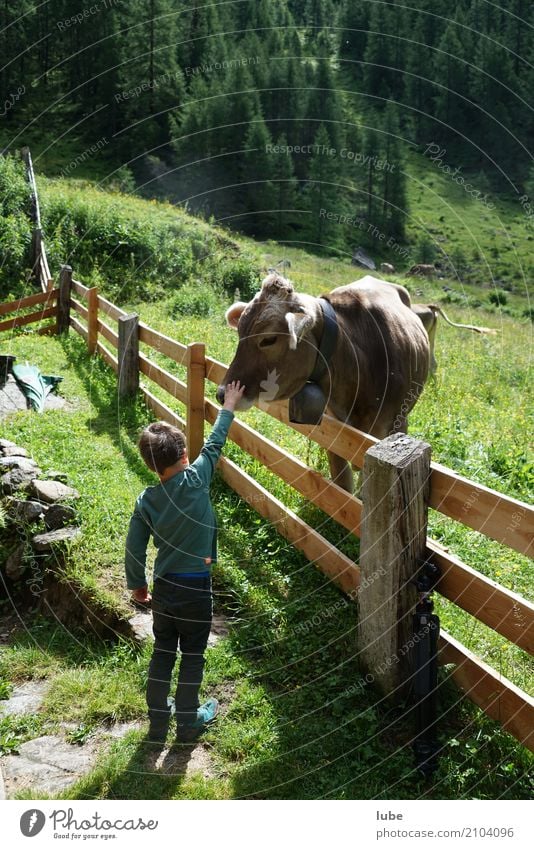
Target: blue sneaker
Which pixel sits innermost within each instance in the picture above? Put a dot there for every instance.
(206, 713)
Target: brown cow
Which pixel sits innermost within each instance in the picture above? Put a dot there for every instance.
(422, 270)
(377, 369)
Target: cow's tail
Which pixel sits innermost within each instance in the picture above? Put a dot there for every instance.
(472, 327)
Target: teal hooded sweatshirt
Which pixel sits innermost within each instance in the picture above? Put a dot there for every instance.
(179, 517)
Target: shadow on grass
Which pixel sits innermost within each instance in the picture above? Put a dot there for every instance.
(136, 769)
(116, 417)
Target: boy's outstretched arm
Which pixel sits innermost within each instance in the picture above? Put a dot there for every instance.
(211, 450)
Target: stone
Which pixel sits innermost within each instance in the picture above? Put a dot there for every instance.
(47, 542)
(141, 625)
(51, 491)
(12, 398)
(47, 764)
(16, 480)
(54, 475)
(14, 450)
(16, 564)
(27, 698)
(118, 729)
(6, 443)
(2, 785)
(59, 515)
(26, 511)
(219, 629)
(26, 464)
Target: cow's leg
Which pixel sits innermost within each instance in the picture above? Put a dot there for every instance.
(340, 471)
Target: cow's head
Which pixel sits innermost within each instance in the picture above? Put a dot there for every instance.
(277, 350)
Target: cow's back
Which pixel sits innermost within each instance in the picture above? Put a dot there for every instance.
(382, 359)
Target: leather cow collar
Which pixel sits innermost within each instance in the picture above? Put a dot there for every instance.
(308, 405)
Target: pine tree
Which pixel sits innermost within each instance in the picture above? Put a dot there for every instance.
(151, 65)
(285, 193)
(449, 73)
(418, 90)
(354, 23)
(319, 13)
(199, 25)
(241, 105)
(258, 191)
(325, 104)
(394, 197)
(324, 195)
(378, 78)
(371, 150)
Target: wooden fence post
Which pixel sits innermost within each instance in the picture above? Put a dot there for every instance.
(63, 301)
(128, 354)
(35, 214)
(196, 375)
(395, 495)
(92, 319)
(37, 243)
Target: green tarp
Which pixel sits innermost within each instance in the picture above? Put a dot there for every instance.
(34, 385)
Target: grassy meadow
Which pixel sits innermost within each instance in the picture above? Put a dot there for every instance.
(293, 723)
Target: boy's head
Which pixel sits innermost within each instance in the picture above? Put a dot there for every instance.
(162, 445)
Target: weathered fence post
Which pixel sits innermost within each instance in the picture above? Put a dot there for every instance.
(35, 214)
(37, 245)
(196, 375)
(63, 301)
(92, 319)
(128, 354)
(395, 495)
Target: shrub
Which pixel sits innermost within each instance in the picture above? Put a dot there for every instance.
(198, 300)
(14, 188)
(498, 297)
(15, 225)
(425, 250)
(134, 252)
(234, 273)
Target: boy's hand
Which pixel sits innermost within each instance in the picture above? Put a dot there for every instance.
(232, 395)
(141, 595)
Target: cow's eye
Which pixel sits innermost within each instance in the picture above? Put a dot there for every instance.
(268, 340)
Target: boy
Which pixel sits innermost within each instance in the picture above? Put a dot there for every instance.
(178, 514)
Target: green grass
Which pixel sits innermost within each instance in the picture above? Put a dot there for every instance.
(496, 243)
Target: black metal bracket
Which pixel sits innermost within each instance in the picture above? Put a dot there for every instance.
(425, 669)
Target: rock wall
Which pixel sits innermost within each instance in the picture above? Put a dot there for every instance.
(41, 523)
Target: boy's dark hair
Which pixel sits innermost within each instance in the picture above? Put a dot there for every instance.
(161, 445)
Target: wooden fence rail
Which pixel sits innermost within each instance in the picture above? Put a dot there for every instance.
(504, 519)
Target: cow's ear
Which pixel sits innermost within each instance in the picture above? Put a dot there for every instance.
(234, 313)
(297, 324)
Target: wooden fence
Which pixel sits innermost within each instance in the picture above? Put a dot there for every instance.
(399, 484)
